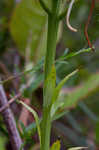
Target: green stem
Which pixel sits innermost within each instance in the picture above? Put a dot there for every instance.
(49, 62)
(51, 44)
(45, 129)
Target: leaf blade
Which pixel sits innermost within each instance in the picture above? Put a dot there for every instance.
(28, 17)
(69, 100)
(55, 146)
(35, 116)
(55, 103)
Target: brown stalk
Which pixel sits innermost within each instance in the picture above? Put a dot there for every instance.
(87, 23)
(10, 122)
(10, 102)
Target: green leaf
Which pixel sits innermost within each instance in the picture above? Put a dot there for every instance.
(62, 62)
(77, 53)
(22, 126)
(55, 103)
(49, 87)
(69, 100)
(72, 98)
(55, 146)
(28, 27)
(58, 114)
(29, 21)
(35, 116)
(22, 145)
(64, 55)
(60, 85)
(35, 68)
(31, 129)
(77, 148)
(32, 69)
(35, 83)
(72, 54)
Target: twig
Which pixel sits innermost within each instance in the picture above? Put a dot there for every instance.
(10, 102)
(12, 77)
(68, 16)
(4, 69)
(10, 122)
(14, 98)
(7, 73)
(88, 21)
(34, 69)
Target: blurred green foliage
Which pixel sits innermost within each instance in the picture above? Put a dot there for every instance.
(29, 28)
(25, 24)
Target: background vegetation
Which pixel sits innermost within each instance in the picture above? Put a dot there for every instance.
(23, 31)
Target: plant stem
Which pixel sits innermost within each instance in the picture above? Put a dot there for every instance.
(51, 44)
(10, 122)
(49, 62)
(45, 129)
